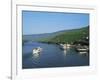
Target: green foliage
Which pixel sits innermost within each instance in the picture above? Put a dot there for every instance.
(68, 36)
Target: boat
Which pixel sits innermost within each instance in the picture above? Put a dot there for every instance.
(65, 46)
(82, 49)
(83, 52)
(37, 50)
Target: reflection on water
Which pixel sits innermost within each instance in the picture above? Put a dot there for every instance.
(51, 56)
(66, 51)
(36, 56)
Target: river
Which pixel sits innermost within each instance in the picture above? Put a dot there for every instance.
(51, 56)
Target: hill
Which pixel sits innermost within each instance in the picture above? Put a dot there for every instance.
(71, 36)
(63, 36)
(68, 36)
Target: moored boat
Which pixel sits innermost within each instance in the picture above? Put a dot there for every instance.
(65, 46)
(82, 49)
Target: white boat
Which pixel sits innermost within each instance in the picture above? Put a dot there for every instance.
(82, 49)
(37, 50)
(83, 52)
(65, 46)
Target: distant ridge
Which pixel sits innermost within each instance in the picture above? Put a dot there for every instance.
(48, 36)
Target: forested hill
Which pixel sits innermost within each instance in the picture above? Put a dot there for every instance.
(63, 36)
(69, 36)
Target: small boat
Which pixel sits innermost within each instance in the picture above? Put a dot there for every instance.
(83, 52)
(65, 46)
(82, 49)
(37, 50)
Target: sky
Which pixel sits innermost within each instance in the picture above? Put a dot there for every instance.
(48, 22)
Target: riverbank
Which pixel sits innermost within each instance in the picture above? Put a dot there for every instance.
(51, 56)
(81, 48)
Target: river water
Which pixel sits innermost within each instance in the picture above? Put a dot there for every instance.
(51, 56)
